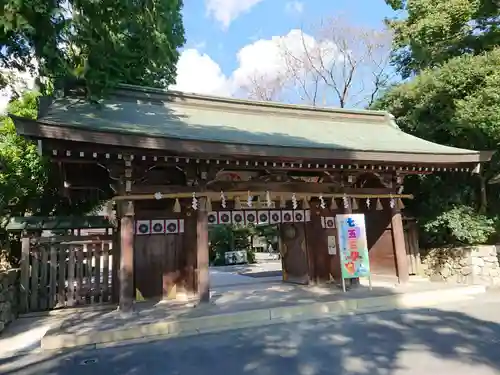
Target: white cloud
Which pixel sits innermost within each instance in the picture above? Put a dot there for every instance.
(226, 11)
(265, 61)
(294, 7)
(198, 73)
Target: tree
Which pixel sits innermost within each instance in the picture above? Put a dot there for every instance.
(102, 43)
(23, 171)
(225, 238)
(435, 31)
(453, 100)
(342, 64)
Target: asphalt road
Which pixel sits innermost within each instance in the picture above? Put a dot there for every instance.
(459, 339)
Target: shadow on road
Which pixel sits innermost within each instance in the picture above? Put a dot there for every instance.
(366, 344)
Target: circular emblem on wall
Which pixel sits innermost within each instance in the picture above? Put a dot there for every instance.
(157, 227)
(263, 217)
(211, 219)
(287, 217)
(238, 218)
(171, 227)
(275, 217)
(224, 218)
(143, 228)
(299, 217)
(251, 218)
(329, 223)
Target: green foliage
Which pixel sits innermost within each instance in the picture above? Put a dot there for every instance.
(435, 31)
(251, 256)
(457, 105)
(460, 225)
(102, 43)
(224, 238)
(454, 99)
(28, 182)
(23, 173)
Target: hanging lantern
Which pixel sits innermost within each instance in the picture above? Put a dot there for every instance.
(322, 203)
(237, 203)
(354, 204)
(269, 203)
(305, 203)
(222, 200)
(379, 205)
(208, 205)
(177, 206)
(333, 205)
(109, 209)
(282, 202)
(258, 203)
(294, 201)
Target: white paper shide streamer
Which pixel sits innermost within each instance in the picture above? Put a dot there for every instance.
(346, 201)
(249, 200)
(194, 203)
(222, 199)
(322, 203)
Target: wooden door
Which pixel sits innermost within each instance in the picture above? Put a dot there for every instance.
(158, 264)
(294, 253)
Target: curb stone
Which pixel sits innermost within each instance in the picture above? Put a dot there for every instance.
(253, 318)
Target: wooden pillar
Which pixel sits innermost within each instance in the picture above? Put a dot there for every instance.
(25, 273)
(126, 299)
(398, 238)
(202, 257)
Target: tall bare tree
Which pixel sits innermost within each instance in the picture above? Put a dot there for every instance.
(340, 64)
(263, 87)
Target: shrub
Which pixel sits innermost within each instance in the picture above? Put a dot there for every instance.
(459, 225)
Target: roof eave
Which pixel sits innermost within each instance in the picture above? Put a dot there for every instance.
(39, 130)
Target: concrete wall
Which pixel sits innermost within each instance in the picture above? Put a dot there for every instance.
(9, 296)
(466, 265)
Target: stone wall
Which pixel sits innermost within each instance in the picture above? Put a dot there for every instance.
(467, 265)
(9, 296)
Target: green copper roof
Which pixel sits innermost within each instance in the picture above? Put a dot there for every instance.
(157, 113)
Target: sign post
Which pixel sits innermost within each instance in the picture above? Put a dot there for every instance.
(353, 247)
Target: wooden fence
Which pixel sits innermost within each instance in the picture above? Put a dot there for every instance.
(68, 270)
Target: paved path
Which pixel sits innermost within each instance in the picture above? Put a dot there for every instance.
(458, 339)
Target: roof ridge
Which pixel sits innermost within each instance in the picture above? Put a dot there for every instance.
(221, 100)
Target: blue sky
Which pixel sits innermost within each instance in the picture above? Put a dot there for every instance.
(218, 30)
(270, 18)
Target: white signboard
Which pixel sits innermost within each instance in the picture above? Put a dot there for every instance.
(332, 245)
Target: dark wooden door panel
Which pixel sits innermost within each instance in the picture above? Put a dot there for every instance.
(159, 261)
(381, 251)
